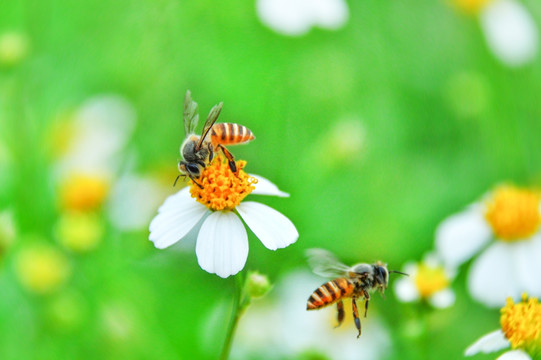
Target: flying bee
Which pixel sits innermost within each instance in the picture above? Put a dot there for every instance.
(198, 151)
(355, 282)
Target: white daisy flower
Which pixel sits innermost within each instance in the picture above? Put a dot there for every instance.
(130, 213)
(222, 242)
(509, 29)
(428, 281)
(297, 17)
(90, 146)
(507, 222)
(281, 328)
(520, 330)
(510, 32)
(96, 136)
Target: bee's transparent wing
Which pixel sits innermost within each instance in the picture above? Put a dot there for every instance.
(213, 116)
(324, 263)
(191, 117)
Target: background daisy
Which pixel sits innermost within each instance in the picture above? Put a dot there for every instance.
(507, 222)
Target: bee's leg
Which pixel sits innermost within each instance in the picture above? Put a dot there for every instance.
(196, 183)
(178, 176)
(340, 316)
(230, 158)
(366, 301)
(356, 315)
(211, 153)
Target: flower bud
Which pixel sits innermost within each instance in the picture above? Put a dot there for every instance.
(257, 285)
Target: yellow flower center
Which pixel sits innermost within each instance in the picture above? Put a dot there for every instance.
(429, 280)
(521, 324)
(513, 213)
(222, 189)
(84, 192)
(471, 6)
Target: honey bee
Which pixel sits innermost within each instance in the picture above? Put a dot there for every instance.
(355, 282)
(198, 151)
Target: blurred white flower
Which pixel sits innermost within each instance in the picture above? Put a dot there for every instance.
(283, 328)
(100, 130)
(510, 31)
(297, 17)
(133, 201)
(520, 329)
(428, 280)
(90, 145)
(222, 242)
(508, 221)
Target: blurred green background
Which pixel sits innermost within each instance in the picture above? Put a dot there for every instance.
(440, 121)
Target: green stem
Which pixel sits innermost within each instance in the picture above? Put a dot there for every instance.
(240, 302)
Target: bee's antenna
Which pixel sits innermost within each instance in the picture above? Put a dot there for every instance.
(398, 272)
(176, 180)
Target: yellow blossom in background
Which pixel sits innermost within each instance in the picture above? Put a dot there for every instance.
(83, 192)
(428, 281)
(13, 48)
(470, 6)
(80, 231)
(504, 226)
(513, 213)
(41, 268)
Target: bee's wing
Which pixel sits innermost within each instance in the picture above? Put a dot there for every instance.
(324, 263)
(213, 116)
(191, 117)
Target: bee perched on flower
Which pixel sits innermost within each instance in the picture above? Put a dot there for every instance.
(507, 222)
(520, 329)
(215, 195)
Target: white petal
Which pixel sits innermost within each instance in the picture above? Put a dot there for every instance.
(406, 290)
(491, 342)
(265, 187)
(288, 17)
(222, 244)
(330, 14)
(461, 235)
(176, 217)
(510, 31)
(514, 355)
(271, 227)
(442, 299)
(526, 257)
(133, 201)
(492, 278)
(102, 128)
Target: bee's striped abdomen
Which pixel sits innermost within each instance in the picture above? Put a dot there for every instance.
(229, 134)
(329, 293)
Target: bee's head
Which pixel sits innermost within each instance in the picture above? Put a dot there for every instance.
(381, 274)
(188, 168)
